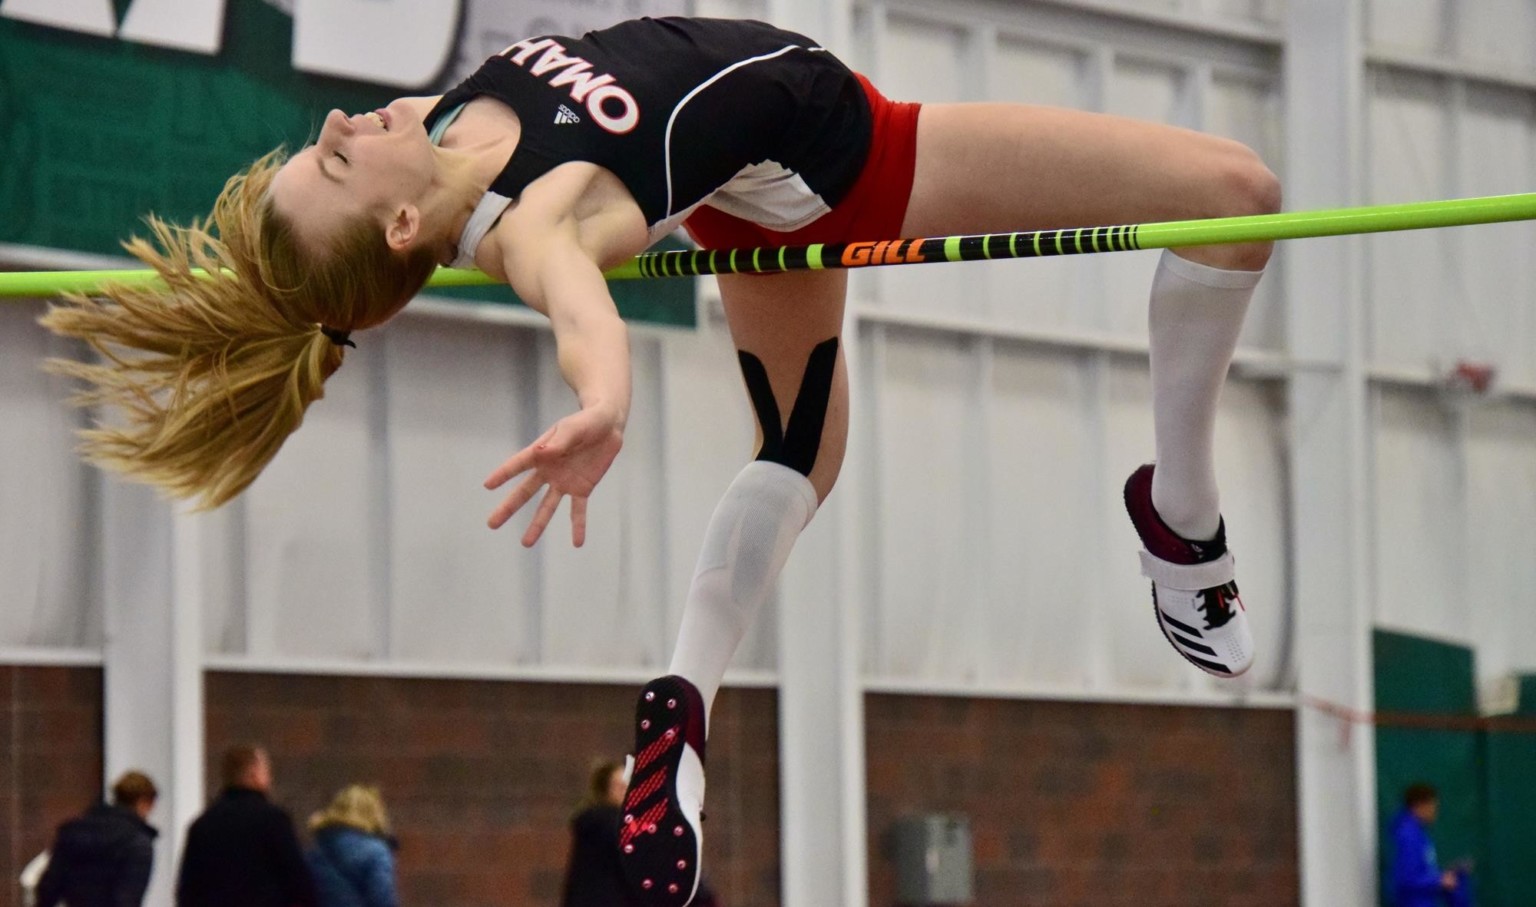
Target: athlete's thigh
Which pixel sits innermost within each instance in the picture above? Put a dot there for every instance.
(1001, 167)
(787, 329)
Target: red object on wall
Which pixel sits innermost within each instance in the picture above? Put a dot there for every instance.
(1476, 377)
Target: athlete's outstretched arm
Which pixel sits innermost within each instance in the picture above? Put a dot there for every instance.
(556, 276)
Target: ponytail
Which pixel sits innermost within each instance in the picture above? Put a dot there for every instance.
(210, 374)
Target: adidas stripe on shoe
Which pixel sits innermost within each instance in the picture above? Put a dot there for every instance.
(661, 838)
(1194, 590)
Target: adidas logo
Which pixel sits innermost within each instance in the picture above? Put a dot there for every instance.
(566, 115)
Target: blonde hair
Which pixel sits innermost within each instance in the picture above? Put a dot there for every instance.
(355, 806)
(213, 372)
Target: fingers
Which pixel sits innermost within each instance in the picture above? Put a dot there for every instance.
(518, 464)
(514, 502)
(521, 462)
(578, 520)
(541, 517)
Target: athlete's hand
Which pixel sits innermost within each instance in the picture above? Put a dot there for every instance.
(570, 458)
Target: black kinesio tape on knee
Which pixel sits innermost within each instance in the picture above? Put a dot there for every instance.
(796, 444)
(760, 389)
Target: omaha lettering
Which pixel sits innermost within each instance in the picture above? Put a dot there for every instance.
(611, 107)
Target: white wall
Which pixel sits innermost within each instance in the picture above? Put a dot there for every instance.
(364, 540)
(47, 572)
(1027, 382)
(376, 510)
(1451, 111)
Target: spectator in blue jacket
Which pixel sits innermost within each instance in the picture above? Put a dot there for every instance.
(1417, 879)
(353, 858)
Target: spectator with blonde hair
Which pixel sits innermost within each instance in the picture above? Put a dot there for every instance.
(353, 859)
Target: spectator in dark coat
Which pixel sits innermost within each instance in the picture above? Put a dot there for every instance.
(353, 859)
(242, 851)
(594, 877)
(104, 858)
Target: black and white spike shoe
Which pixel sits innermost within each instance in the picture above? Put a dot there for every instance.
(661, 838)
(1194, 590)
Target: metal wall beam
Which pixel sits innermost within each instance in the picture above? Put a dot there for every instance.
(823, 841)
(153, 686)
(1324, 70)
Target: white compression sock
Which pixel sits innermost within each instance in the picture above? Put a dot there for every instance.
(749, 538)
(1195, 318)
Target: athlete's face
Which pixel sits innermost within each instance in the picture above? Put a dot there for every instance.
(376, 165)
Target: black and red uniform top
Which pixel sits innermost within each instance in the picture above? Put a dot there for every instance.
(762, 123)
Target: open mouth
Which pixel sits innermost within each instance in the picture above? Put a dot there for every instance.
(381, 117)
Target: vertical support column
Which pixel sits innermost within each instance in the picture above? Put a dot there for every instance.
(153, 698)
(822, 838)
(380, 504)
(1092, 296)
(1324, 74)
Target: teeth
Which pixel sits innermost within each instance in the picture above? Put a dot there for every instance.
(377, 118)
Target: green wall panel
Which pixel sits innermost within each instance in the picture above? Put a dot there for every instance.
(1422, 676)
(1509, 878)
(98, 131)
(1526, 697)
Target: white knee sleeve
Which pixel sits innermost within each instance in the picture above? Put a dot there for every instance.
(1196, 317)
(748, 540)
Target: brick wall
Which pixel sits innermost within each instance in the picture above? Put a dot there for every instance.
(1077, 804)
(50, 759)
(480, 777)
(1070, 803)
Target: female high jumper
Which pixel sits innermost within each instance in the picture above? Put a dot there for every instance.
(561, 157)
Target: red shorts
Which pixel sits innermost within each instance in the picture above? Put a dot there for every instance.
(873, 209)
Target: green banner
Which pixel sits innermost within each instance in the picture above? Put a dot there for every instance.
(96, 132)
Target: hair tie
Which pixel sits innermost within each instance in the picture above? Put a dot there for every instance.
(340, 338)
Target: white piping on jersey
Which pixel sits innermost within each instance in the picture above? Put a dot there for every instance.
(667, 142)
(491, 206)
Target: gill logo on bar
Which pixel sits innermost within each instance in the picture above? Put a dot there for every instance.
(883, 253)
